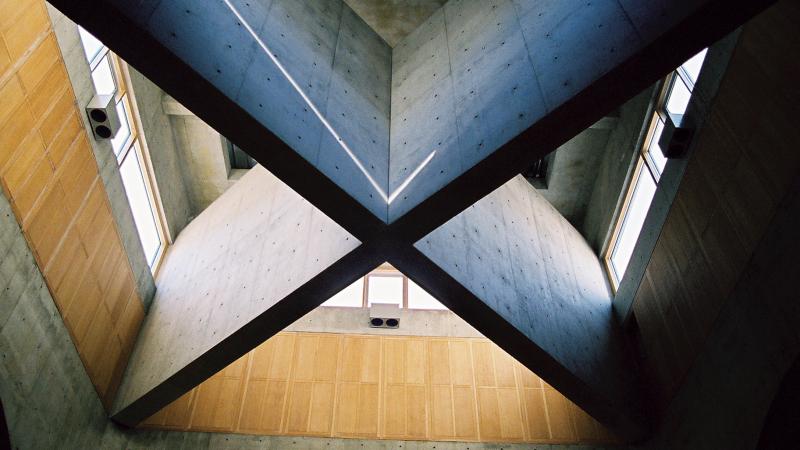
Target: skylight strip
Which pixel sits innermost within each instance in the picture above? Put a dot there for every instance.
(308, 101)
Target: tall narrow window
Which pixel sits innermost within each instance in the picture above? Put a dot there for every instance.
(108, 79)
(650, 165)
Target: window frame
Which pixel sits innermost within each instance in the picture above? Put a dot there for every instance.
(388, 273)
(135, 142)
(645, 162)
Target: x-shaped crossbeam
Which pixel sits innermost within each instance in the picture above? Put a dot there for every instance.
(413, 151)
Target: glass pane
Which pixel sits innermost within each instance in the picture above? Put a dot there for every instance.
(679, 96)
(385, 290)
(103, 78)
(91, 46)
(693, 66)
(350, 296)
(656, 155)
(118, 142)
(643, 193)
(143, 216)
(419, 299)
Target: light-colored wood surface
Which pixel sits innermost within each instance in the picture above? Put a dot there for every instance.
(381, 387)
(744, 162)
(49, 173)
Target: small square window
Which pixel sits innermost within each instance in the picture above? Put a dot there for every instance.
(385, 289)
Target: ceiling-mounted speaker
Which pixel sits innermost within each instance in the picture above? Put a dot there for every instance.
(384, 315)
(102, 112)
(676, 137)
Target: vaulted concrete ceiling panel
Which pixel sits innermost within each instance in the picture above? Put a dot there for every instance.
(517, 255)
(263, 245)
(395, 19)
(358, 108)
(297, 68)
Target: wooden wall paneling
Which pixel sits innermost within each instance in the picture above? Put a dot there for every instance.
(499, 403)
(462, 376)
(405, 414)
(558, 413)
(25, 28)
(537, 428)
(380, 387)
(744, 160)
(5, 61)
(267, 386)
(48, 171)
(51, 93)
(178, 416)
(28, 162)
(12, 132)
(218, 398)
(312, 390)
(13, 96)
(41, 61)
(442, 422)
(54, 119)
(358, 390)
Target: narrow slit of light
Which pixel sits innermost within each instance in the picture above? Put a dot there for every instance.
(308, 101)
(411, 177)
(388, 199)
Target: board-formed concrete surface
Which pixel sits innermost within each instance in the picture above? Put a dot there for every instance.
(410, 149)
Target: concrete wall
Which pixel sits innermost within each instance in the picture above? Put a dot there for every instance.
(572, 171)
(203, 160)
(80, 77)
(395, 19)
(168, 162)
(614, 171)
(413, 322)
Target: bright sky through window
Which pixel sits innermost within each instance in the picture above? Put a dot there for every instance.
(143, 215)
(643, 193)
(650, 165)
(351, 296)
(418, 298)
(385, 289)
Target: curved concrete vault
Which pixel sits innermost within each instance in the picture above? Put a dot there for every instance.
(411, 155)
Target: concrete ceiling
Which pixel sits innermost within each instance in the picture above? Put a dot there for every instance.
(467, 230)
(394, 19)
